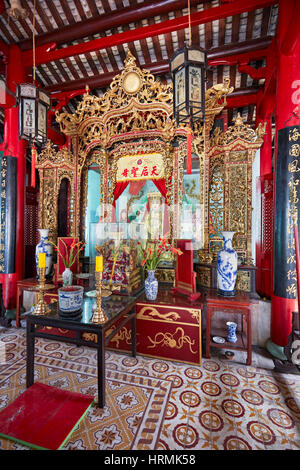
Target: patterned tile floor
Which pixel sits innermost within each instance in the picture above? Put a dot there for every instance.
(222, 404)
(228, 405)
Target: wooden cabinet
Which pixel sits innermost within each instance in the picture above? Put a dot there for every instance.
(239, 305)
(169, 328)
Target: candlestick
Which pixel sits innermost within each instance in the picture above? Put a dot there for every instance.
(41, 307)
(99, 316)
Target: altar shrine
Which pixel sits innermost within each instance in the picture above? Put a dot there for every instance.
(149, 226)
(124, 164)
(121, 181)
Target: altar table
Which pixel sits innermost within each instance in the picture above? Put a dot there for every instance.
(119, 310)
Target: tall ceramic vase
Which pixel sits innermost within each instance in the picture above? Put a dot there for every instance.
(44, 247)
(227, 266)
(151, 285)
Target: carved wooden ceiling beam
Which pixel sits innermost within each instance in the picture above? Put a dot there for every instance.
(259, 49)
(95, 25)
(46, 54)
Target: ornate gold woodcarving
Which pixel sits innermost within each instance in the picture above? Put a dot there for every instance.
(165, 275)
(238, 198)
(137, 111)
(48, 211)
(216, 95)
(52, 157)
(216, 195)
(204, 276)
(122, 335)
(243, 131)
(147, 312)
(134, 104)
(53, 166)
(196, 314)
(243, 281)
(143, 146)
(217, 138)
(130, 91)
(234, 150)
(238, 156)
(170, 340)
(205, 256)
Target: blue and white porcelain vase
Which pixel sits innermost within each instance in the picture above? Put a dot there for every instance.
(67, 277)
(44, 247)
(151, 285)
(231, 332)
(227, 266)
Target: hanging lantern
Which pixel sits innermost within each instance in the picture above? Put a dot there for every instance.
(33, 113)
(188, 70)
(16, 11)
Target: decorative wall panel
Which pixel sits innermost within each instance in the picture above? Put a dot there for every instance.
(230, 155)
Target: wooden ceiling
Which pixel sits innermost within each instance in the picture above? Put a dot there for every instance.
(77, 22)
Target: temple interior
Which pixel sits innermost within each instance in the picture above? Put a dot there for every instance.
(149, 252)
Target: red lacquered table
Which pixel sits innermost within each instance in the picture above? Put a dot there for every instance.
(238, 304)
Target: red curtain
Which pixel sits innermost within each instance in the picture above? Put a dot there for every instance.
(161, 186)
(119, 188)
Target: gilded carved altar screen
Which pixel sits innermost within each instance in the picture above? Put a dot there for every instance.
(231, 155)
(127, 122)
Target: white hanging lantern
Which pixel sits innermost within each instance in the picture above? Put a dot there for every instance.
(188, 69)
(34, 104)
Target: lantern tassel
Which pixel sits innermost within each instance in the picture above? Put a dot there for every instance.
(33, 166)
(189, 150)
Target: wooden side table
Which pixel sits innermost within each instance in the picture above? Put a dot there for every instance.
(239, 304)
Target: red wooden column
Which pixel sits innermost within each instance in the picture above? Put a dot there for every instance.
(12, 146)
(264, 197)
(287, 71)
(266, 149)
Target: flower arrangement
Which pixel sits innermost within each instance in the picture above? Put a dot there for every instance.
(71, 253)
(154, 250)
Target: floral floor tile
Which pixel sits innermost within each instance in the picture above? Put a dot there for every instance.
(280, 420)
(173, 431)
